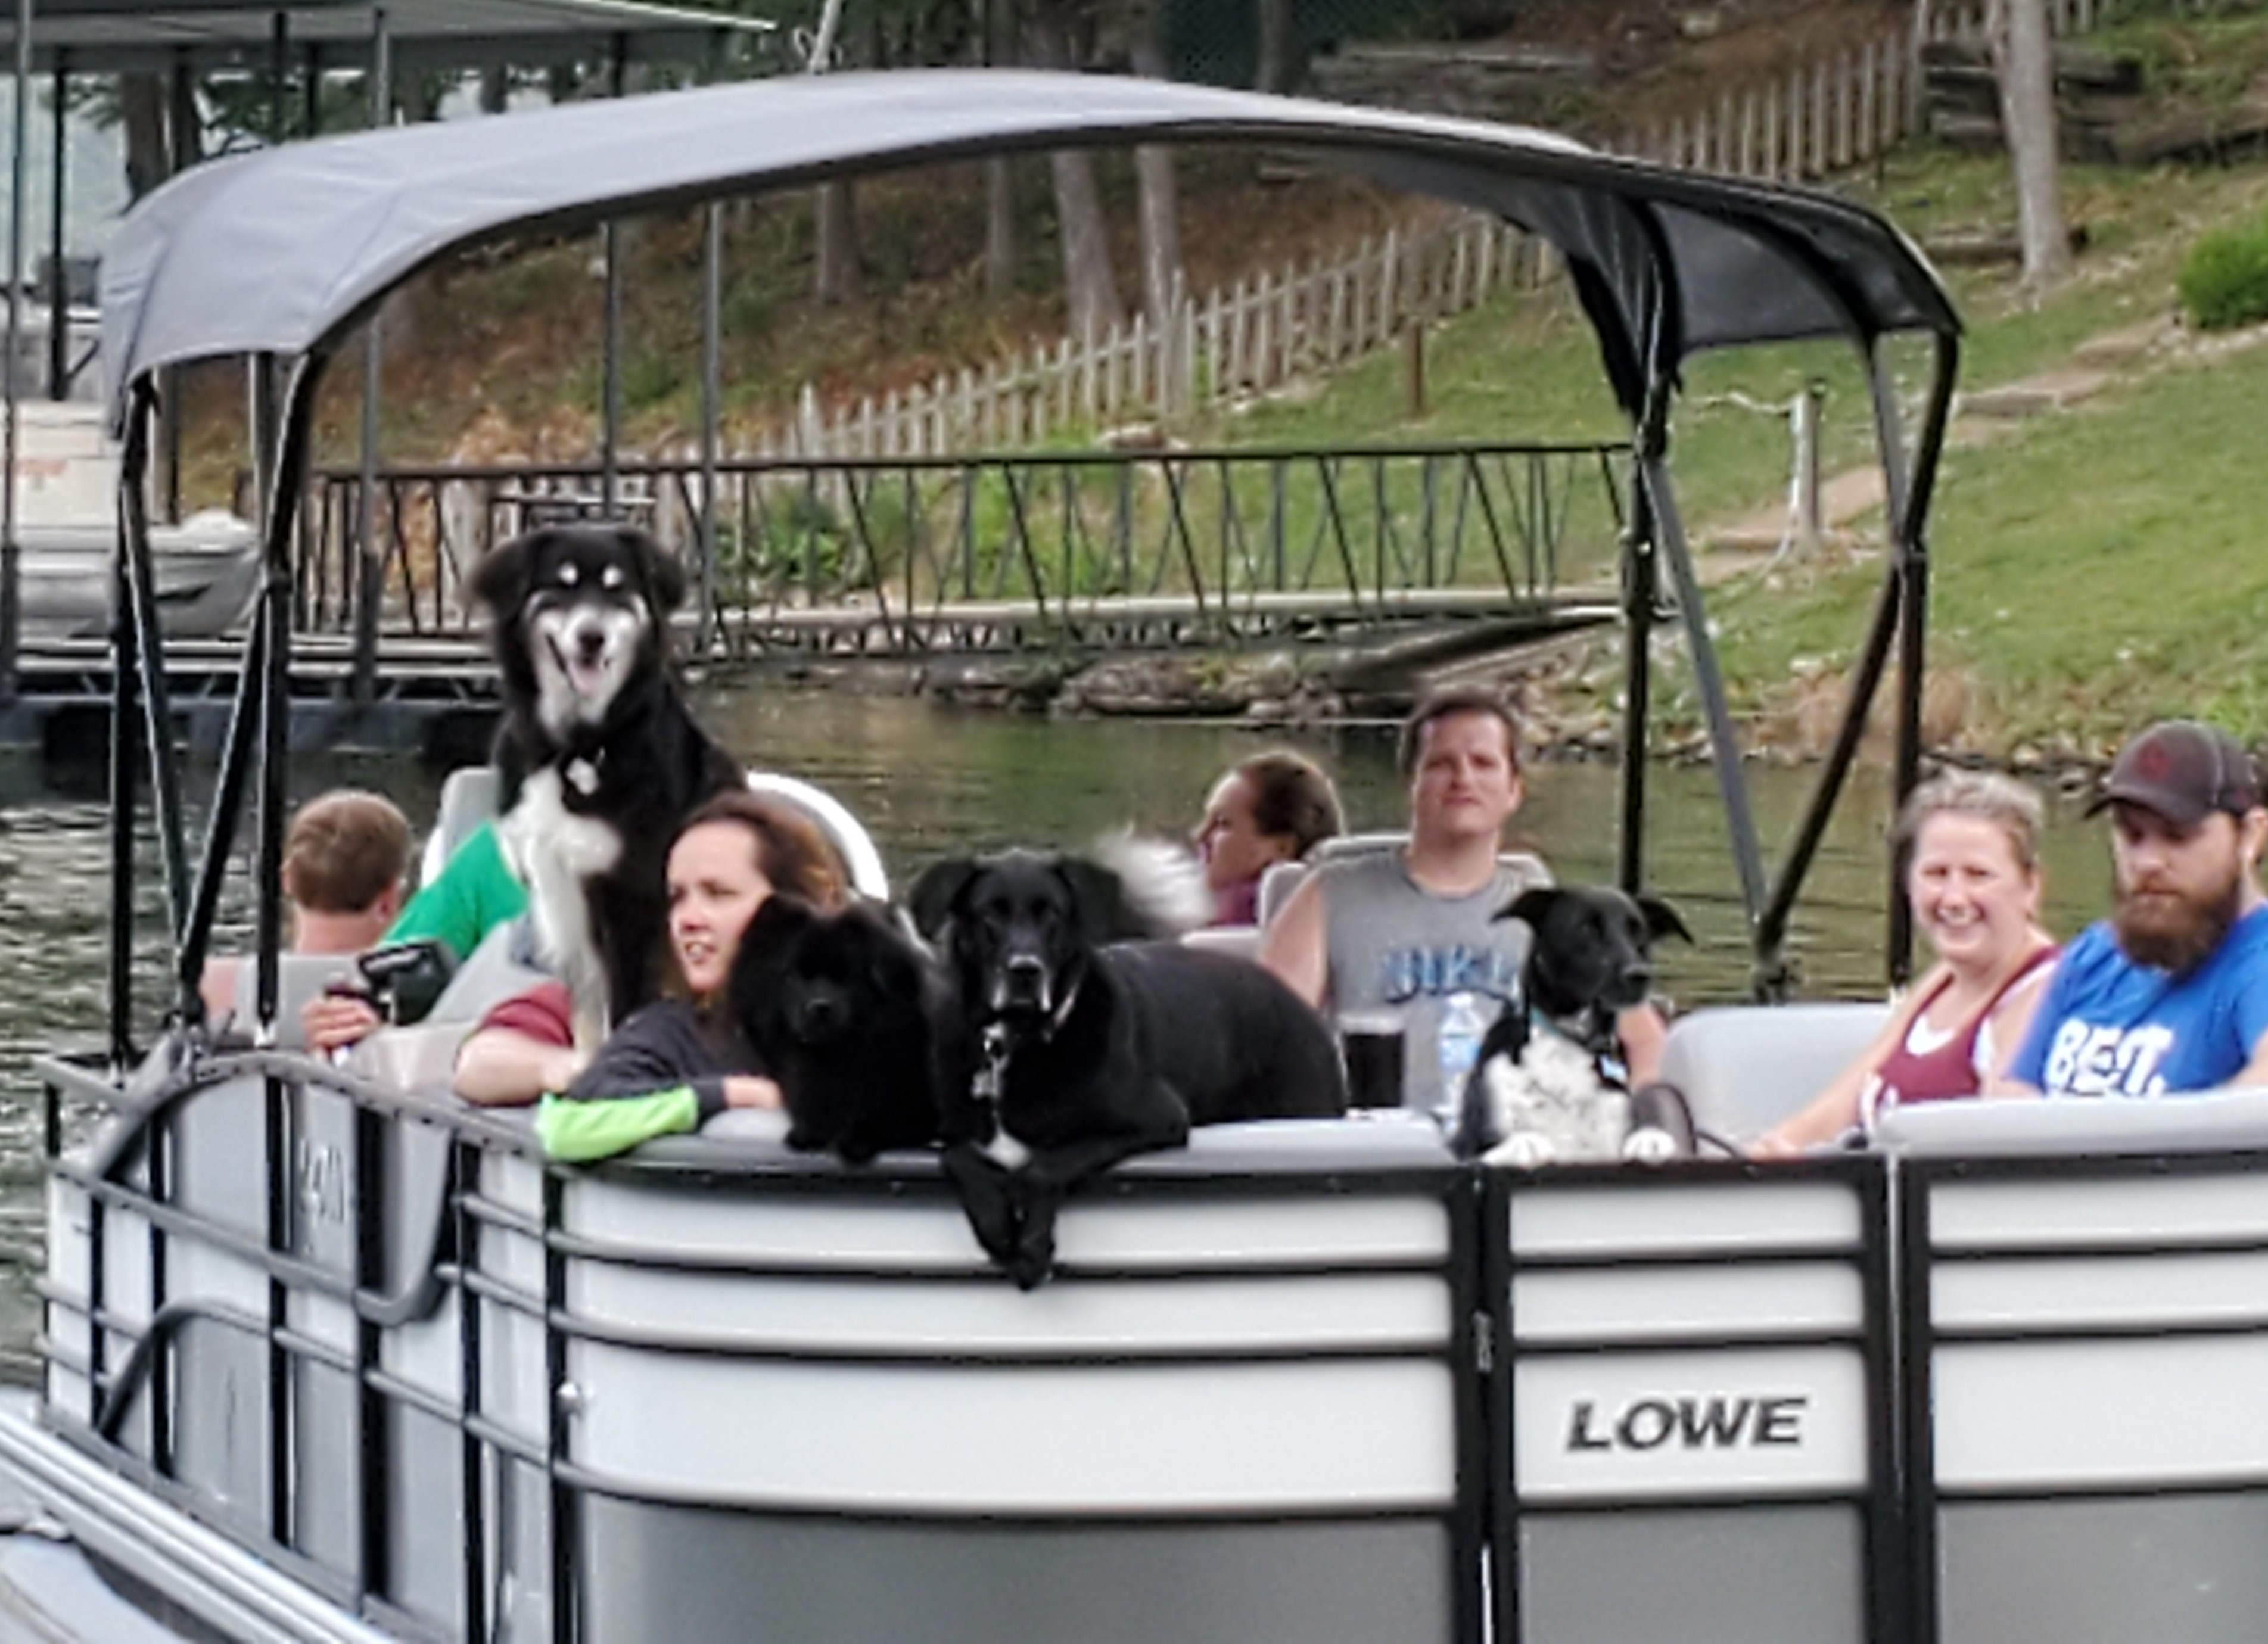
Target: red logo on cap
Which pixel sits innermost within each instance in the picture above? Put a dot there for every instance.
(2151, 761)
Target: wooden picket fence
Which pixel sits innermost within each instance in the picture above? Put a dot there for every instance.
(1838, 111)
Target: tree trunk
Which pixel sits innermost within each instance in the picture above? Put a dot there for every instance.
(1000, 228)
(1090, 287)
(2027, 114)
(1278, 71)
(141, 106)
(496, 91)
(838, 278)
(1160, 207)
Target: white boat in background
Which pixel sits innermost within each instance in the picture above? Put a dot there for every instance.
(207, 568)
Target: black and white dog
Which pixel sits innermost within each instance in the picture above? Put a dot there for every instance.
(1548, 1086)
(600, 760)
(1064, 1047)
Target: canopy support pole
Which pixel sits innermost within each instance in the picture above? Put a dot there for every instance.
(220, 830)
(370, 564)
(1641, 583)
(279, 520)
(1909, 505)
(1709, 681)
(149, 647)
(712, 397)
(124, 668)
(59, 368)
(11, 569)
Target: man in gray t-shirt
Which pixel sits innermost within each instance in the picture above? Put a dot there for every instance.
(1407, 932)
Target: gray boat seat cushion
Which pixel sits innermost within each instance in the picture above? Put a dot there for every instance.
(469, 796)
(1243, 940)
(1745, 1067)
(303, 977)
(503, 965)
(2210, 1121)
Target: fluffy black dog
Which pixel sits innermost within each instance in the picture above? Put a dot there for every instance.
(1066, 1048)
(598, 759)
(1548, 1085)
(839, 1006)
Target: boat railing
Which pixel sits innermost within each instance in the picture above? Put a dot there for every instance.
(372, 1336)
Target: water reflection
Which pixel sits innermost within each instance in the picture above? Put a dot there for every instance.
(927, 782)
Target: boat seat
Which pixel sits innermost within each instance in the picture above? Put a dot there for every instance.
(1742, 1068)
(2227, 1120)
(1243, 940)
(502, 965)
(303, 977)
(469, 797)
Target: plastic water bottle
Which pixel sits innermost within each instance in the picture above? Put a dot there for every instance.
(1457, 1044)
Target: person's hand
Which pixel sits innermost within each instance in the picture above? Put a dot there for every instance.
(1773, 1145)
(560, 1066)
(748, 1089)
(332, 1021)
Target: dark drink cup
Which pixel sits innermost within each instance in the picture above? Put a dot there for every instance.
(1373, 1062)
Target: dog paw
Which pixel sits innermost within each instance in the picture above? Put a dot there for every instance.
(1649, 1144)
(1524, 1150)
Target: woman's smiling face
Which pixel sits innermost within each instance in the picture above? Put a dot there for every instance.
(715, 888)
(1972, 897)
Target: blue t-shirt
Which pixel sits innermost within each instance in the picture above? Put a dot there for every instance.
(2111, 1027)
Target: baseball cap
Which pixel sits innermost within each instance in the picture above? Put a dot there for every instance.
(2185, 771)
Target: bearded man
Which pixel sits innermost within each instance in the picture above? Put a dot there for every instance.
(2170, 993)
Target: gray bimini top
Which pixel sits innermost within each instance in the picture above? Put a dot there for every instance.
(280, 251)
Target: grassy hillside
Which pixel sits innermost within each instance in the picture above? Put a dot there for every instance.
(2092, 566)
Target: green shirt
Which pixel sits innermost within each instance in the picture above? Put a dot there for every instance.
(475, 891)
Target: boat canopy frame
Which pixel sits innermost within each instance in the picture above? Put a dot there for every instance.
(280, 254)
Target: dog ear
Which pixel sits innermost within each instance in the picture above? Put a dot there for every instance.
(761, 958)
(665, 577)
(938, 893)
(1099, 901)
(500, 580)
(1533, 906)
(1662, 920)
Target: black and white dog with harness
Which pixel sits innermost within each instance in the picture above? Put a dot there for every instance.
(598, 759)
(1065, 1048)
(1549, 1085)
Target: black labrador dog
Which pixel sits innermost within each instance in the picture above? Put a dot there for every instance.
(838, 1007)
(1066, 1045)
(1548, 1083)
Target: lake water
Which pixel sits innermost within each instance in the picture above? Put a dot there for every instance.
(927, 782)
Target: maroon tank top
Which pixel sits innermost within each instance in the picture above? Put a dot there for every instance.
(1949, 1070)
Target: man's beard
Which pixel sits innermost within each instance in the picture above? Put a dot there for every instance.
(2173, 932)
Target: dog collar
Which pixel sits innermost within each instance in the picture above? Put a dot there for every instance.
(992, 1073)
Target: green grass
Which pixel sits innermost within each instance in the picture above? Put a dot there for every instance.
(2103, 568)
(2090, 568)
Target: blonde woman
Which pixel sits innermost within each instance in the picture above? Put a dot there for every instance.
(1971, 842)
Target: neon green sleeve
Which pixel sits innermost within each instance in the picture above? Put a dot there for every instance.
(576, 1132)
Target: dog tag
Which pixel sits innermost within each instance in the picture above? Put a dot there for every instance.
(583, 775)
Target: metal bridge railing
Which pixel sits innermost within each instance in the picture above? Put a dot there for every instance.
(910, 552)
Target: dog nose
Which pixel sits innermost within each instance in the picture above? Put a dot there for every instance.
(1026, 981)
(821, 1015)
(590, 642)
(1637, 978)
